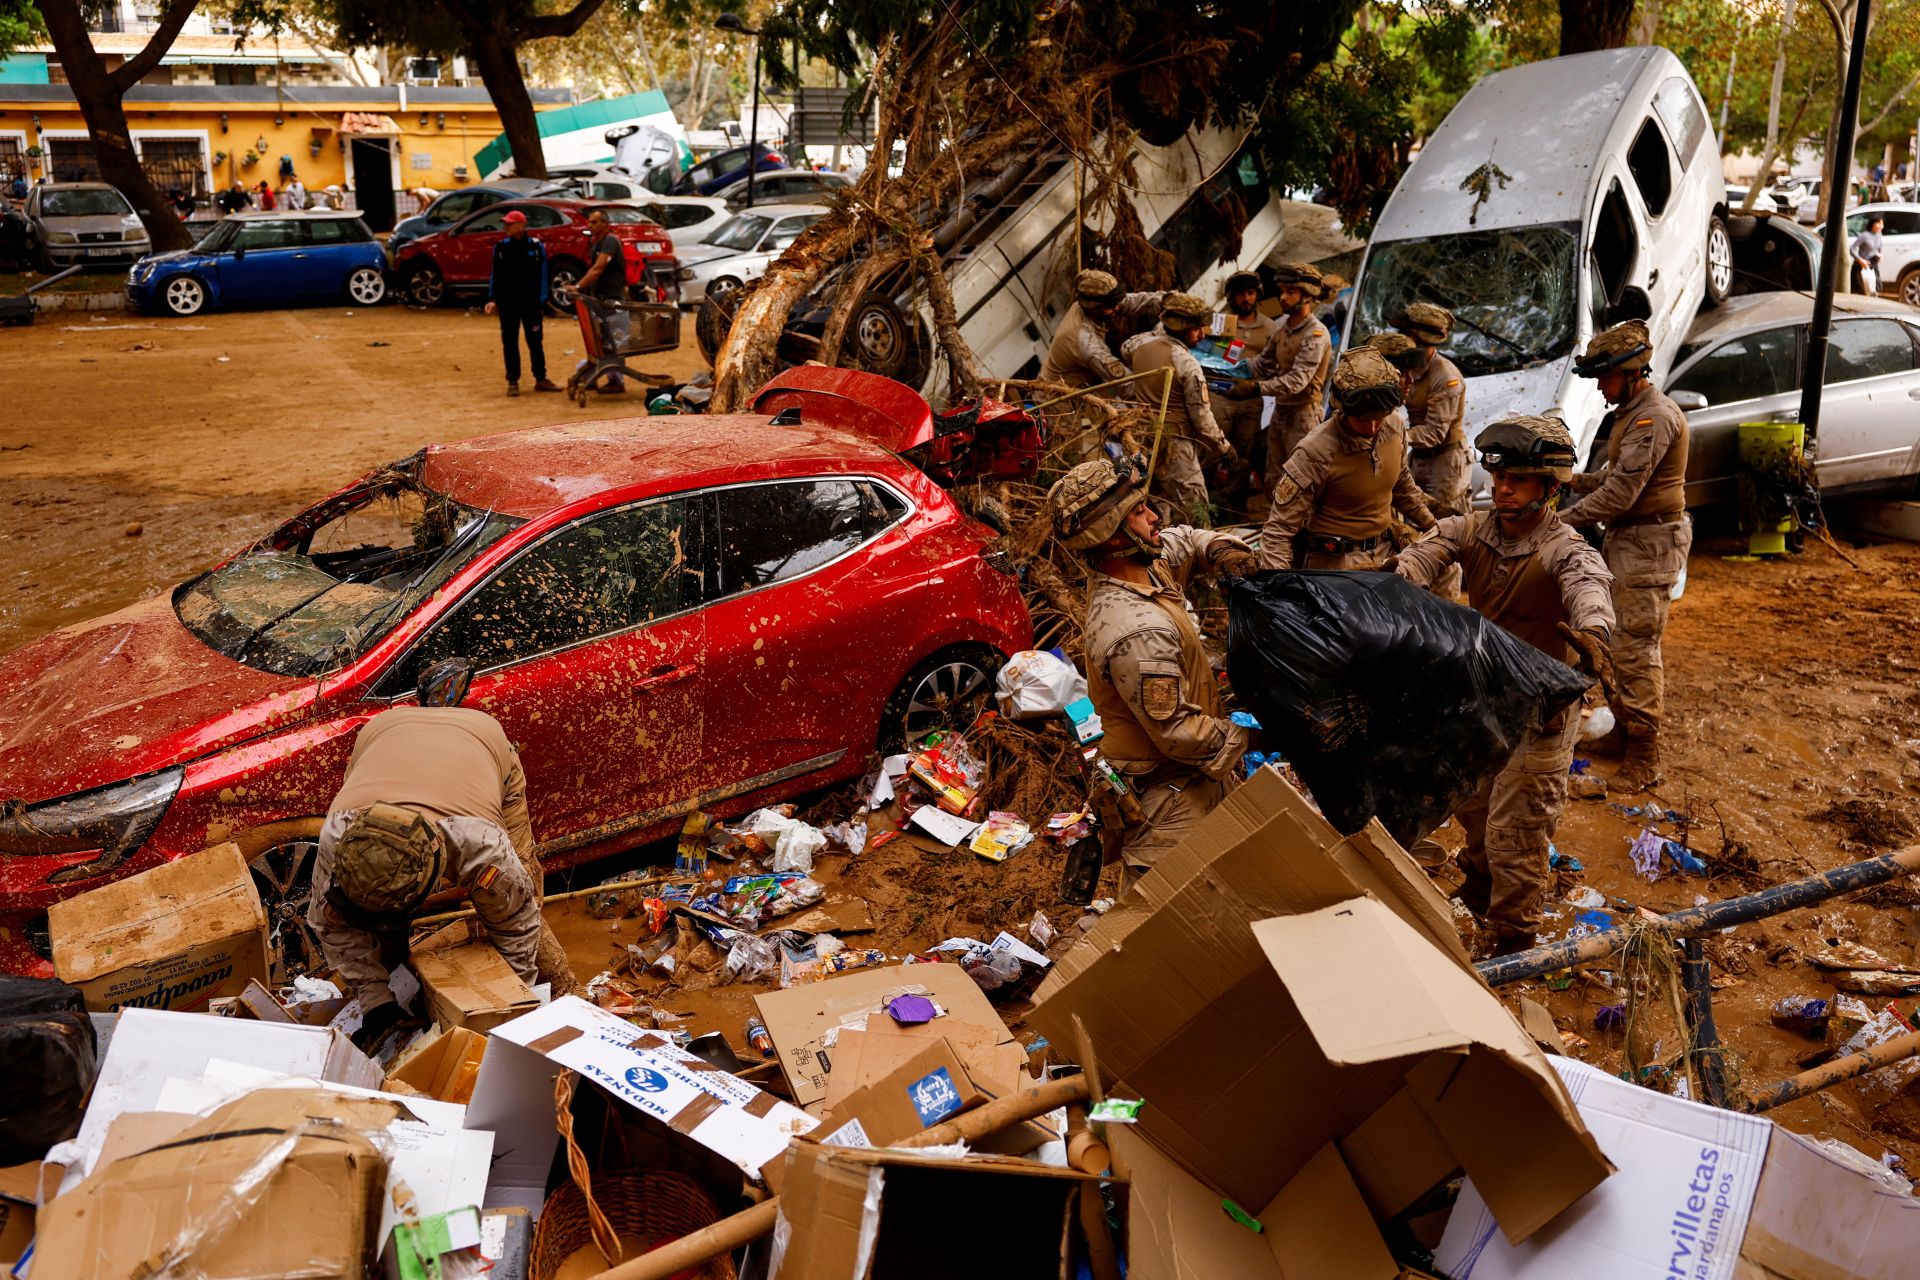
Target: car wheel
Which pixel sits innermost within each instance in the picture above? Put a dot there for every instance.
(946, 691)
(715, 317)
(1910, 286)
(563, 276)
(367, 285)
(426, 287)
(880, 336)
(283, 873)
(1719, 262)
(184, 296)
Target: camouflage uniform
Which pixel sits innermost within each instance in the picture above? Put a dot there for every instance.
(1192, 440)
(1293, 370)
(1240, 420)
(1081, 354)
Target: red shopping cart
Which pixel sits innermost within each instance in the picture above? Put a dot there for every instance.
(614, 332)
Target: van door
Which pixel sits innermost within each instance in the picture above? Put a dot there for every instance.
(1676, 225)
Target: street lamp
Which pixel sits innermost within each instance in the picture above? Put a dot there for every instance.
(731, 22)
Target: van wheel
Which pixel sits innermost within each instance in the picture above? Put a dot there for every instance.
(1719, 261)
(948, 690)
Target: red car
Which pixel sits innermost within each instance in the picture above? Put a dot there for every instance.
(460, 258)
(665, 613)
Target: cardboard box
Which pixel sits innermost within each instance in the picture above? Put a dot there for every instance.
(927, 1089)
(645, 1071)
(471, 986)
(994, 1063)
(1701, 1192)
(175, 937)
(1255, 1042)
(19, 1194)
(444, 1067)
(906, 1215)
(313, 1215)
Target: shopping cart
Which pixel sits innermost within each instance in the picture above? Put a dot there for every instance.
(613, 332)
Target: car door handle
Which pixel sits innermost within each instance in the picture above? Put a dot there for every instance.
(665, 674)
(298, 256)
(1914, 394)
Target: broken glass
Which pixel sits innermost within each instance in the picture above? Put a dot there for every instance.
(1513, 292)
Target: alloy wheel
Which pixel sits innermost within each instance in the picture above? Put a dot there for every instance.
(948, 696)
(185, 295)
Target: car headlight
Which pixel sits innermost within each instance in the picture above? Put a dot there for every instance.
(63, 237)
(114, 819)
(684, 273)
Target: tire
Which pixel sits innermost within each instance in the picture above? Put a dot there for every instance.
(945, 691)
(367, 286)
(715, 317)
(562, 275)
(988, 510)
(283, 873)
(1909, 286)
(184, 296)
(1719, 262)
(880, 336)
(426, 287)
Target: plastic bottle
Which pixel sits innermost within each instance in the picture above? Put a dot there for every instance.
(1081, 875)
(1806, 1014)
(757, 1036)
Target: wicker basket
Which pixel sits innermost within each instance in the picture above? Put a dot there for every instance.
(648, 1209)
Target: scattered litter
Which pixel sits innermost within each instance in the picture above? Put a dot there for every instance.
(1000, 836)
(793, 842)
(1563, 862)
(908, 1010)
(1037, 683)
(1597, 723)
(1650, 849)
(1040, 929)
(1610, 1017)
(1116, 1110)
(1805, 1014)
(1586, 896)
(943, 826)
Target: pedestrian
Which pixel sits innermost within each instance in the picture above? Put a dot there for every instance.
(1641, 498)
(295, 194)
(1529, 573)
(266, 196)
(1865, 253)
(1190, 440)
(432, 792)
(1293, 367)
(1148, 676)
(1334, 503)
(1241, 420)
(606, 281)
(517, 290)
(232, 200)
(1082, 352)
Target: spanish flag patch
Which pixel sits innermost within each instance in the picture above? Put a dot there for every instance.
(487, 878)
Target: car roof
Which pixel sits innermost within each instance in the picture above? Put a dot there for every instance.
(255, 215)
(825, 175)
(74, 186)
(783, 210)
(1885, 206)
(1764, 310)
(538, 470)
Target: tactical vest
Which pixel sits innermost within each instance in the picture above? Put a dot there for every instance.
(1158, 353)
(1285, 345)
(1355, 499)
(1516, 593)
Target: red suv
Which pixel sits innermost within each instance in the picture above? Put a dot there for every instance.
(460, 258)
(665, 613)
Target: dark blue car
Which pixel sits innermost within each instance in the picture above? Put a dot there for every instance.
(251, 258)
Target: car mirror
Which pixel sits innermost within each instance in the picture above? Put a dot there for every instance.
(239, 253)
(1688, 400)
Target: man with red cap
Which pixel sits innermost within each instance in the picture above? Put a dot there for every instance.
(517, 293)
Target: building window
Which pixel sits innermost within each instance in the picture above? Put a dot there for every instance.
(175, 164)
(235, 75)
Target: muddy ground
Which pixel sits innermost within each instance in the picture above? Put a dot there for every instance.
(1794, 711)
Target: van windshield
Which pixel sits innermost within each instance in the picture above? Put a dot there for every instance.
(1513, 292)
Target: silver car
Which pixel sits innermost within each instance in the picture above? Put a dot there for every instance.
(1742, 363)
(83, 222)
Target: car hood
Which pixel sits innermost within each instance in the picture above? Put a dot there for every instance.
(124, 695)
(120, 224)
(173, 256)
(694, 255)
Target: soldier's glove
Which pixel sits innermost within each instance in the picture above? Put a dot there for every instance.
(1236, 563)
(1243, 389)
(1595, 658)
(375, 1026)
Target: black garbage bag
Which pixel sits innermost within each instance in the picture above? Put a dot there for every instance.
(47, 1059)
(1389, 702)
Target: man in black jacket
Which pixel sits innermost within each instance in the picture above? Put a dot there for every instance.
(516, 292)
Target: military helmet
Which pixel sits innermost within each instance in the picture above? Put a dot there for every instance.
(1402, 352)
(388, 860)
(1184, 306)
(1092, 501)
(1424, 323)
(1303, 275)
(1096, 286)
(1364, 383)
(1529, 445)
(1242, 280)
(1627, 345)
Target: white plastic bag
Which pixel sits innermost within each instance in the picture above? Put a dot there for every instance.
(1035, 683)
(1598, 724)
(794, 842)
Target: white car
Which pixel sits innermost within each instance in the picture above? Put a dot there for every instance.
(1899, 246)
(595, 182)
(1762, 203)
(690, 219)
(740, 249)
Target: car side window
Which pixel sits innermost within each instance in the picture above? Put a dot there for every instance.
(456, 207)
(1902, 222)
(1744, 368)
(1652, 171)
(328, 231)
(772, 532)
(1677, 108)
(274, 234)
(675, 216)
(538, 215)
(1868, 349)
(495, 220)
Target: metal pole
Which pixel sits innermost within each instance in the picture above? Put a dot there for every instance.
(1794, 1088)
(1839, 175)
(1709, 1059)
(1697, 920)
(753, 125)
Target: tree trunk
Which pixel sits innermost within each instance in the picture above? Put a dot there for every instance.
(963, 371)
(1586, 25)
(493, 52)
(854, 285)
(746, 359)
(98, 94)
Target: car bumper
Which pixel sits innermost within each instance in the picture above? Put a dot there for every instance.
(96, 255)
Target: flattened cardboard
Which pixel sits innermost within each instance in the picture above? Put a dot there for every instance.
(176, 937)
(471, 986)
(928, 1089)
(1814, 1218)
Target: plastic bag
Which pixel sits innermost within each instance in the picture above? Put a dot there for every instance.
(1388, 701)
(750, 958)
(1035, 683)
(793, 842)
(48, 1060)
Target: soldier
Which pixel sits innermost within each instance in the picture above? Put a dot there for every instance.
(1337, 493)
(1641, 497)
(1240, 420)
(1081, 354)
(432, 792)
(1293, 367)
(1147, 674)
(1191, 440)
(1533, 575)
(1436, 410)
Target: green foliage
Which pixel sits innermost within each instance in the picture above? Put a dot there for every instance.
(19, 24)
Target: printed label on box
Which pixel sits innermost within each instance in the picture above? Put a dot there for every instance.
(850, 1134)
(934, 1097)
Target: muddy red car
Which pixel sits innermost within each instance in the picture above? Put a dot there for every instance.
(459, 260)
(665, 613)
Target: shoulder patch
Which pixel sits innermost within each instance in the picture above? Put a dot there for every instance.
(486, 878)
(1160, 696)
(1284, 492)
(1643, 422)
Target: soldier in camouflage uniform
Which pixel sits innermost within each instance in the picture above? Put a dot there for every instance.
(1191, 440)
(1537, 578)
(1082, 352)
(1641, 498)
(1436, 410)
(1147, 673)
(1337, 493)
(432, 793)
(1241, 420)
(1293, 366)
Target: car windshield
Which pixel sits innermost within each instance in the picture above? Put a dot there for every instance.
(89, 202)
(323, 590)
(222, 236)
(742, 232)
(1513, 292)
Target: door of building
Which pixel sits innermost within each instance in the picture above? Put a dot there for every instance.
(373, 182)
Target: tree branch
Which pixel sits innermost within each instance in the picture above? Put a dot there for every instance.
(130, 72)
(540, 26)
(1891, 103)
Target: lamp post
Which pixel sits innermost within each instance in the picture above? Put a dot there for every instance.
(731, 22)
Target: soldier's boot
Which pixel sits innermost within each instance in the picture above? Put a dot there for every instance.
(1641, 768)
(1611, 745)
(1476, 889)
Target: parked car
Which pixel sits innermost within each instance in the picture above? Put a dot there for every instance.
(597, 182)
(89, 223)
(460, 258)
(1744, 363)
(718, 170)
(1762, 203)
(455, 205)
(265, 257)
(688, 219)
(665, 613)
(1899, 246)
(741, 248)
(784, 186)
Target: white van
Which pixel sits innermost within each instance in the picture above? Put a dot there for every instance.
(1555, 199)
